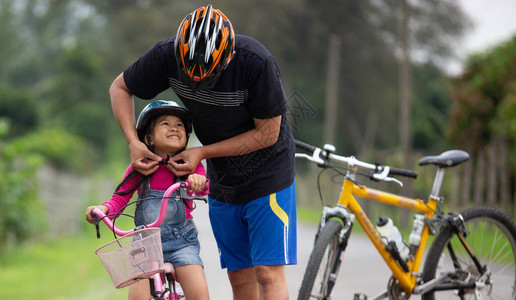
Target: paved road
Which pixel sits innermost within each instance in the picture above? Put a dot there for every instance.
(363, 270)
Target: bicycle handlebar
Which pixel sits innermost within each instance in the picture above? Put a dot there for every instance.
(98, 214)
(305, 146)
(403, 172)
(323, 156)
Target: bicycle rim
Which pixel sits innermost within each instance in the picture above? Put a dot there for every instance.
(316, 280)
(491, 236)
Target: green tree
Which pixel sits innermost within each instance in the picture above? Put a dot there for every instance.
(482, 121)
(21, 215)
(483, 97)
(78, 96)
(431, 108)
(18, 107)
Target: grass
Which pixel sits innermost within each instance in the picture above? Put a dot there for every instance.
(60, 269)
(309, 215)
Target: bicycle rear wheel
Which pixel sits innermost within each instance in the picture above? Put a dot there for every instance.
(318, 279)
(492, 238)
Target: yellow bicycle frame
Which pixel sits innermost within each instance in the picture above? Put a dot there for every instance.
(349, 189)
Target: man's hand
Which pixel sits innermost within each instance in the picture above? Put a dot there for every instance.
(142, 159)
(185, 162)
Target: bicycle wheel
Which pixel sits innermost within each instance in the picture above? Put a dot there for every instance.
(317, 283)
(492, 238)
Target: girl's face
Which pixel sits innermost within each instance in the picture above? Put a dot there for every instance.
(168, 135)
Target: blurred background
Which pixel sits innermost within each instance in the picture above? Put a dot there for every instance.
(383, 80)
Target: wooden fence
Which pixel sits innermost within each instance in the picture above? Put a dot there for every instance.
(66, 196)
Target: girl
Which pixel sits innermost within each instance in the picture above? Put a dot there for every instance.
(164, 127)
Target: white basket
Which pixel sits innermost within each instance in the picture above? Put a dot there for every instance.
(132, 257)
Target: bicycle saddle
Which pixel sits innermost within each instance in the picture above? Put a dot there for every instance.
(446, 159)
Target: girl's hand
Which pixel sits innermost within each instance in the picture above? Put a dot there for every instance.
(89, 217)
(197, 182)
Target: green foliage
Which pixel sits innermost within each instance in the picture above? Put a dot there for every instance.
(19, 107)
(91, 122)
(505, 121)
(431, 107)
(20, 210)
(67, 54)
(59, 147)
(483, 96)
(78, 96)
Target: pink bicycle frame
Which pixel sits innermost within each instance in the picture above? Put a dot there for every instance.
(158, 284)
(156, 223)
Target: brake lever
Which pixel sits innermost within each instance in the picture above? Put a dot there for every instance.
(316, 157)
(384, 176)
(183, 194)
(97, 225)
(394, 180)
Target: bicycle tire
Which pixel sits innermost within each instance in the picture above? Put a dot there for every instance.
(316, 277)
(492, 237)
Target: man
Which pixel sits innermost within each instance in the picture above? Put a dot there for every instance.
(232, 87)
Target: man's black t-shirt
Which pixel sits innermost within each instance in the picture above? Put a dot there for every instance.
(250, 87)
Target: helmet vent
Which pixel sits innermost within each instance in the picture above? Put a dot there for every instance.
(204, 47)
(218, 41)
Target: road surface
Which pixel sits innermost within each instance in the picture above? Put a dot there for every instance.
(362, 269)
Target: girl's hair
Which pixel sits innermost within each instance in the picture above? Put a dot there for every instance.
(143, 182)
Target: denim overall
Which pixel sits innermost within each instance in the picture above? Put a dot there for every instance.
(176, 231)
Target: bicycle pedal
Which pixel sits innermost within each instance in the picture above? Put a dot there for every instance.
(359, 296)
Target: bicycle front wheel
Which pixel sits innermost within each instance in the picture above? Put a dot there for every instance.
(491, 235)
(318, 280)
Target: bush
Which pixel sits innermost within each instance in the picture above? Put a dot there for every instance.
(62, 149)
(21, 215)
(21, 211)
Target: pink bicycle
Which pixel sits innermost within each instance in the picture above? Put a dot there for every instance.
(137, 253)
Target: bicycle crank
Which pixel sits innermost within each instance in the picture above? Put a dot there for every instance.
(395, 291)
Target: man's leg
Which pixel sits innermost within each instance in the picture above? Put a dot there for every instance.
(260, 233)
(244, 284)
(273, 284)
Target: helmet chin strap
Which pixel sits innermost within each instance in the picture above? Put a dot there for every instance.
(165, 162)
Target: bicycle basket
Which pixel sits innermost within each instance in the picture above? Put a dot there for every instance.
(132, 257)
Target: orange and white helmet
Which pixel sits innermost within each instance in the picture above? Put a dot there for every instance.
(204, 46)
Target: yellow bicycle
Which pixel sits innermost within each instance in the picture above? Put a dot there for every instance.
(472, 256)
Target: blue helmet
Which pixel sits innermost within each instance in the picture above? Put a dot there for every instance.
(159, 108)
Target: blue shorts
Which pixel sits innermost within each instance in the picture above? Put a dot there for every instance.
(260, 232)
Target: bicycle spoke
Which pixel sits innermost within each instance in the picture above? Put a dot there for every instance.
(493, 243)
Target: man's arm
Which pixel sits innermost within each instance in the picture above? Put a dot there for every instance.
(122, 103)
(264, 134)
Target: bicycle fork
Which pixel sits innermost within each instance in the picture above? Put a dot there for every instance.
(347, 220)
(159, 292)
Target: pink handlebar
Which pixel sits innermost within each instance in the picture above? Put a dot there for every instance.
(157, 222)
